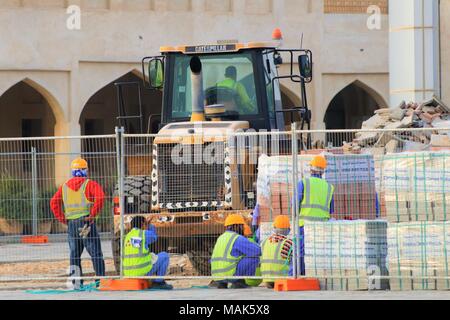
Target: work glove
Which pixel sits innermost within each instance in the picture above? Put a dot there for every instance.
(84, 232)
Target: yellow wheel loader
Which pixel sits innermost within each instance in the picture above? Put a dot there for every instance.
(186, 179)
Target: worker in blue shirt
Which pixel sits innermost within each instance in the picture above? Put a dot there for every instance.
(138, 260)
(255, 223)
(316, 203)
(234, 255)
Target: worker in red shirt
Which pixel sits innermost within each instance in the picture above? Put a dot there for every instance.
(76, 203)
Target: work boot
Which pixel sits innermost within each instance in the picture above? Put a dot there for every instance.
(218, 284)
(161, 286)
(270, 285)
(239, 284)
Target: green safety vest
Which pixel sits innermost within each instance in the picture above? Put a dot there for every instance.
(76, 204)
(272, 263)
(137, 260)
(316, 203)
(223, 264)
(228, 83)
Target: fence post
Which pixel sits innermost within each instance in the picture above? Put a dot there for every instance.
(295, 232)
(34, 225)
(120, 175)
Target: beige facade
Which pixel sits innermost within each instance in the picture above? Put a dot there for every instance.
(73, 70)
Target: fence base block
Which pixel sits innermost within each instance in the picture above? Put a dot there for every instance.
(35, 239)
(124, 285)
(308, 284)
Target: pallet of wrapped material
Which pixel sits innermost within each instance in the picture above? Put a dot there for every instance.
(415, 278)
(344, 248)
(420, 248)
(425, 172)
(443, 284)
(351, 175)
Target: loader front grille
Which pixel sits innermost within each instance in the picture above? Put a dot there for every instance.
(190, 175)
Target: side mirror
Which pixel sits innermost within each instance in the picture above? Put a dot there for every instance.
(156, 73)
(305, 66)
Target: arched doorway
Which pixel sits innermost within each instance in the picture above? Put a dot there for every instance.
(26, 113)
(27, 166)
(99, 115)
(349, 109)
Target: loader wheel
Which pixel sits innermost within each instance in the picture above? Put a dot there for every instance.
(200, 257)
(140, 189)
(115, 245)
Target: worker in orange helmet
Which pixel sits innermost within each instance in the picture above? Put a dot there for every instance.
(316, 201)
(76, 203)
(276, 252)
(234, 255)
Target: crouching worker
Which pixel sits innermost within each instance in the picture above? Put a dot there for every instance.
(234, 255)
(252, 238)
(138, 261)
(276, 252)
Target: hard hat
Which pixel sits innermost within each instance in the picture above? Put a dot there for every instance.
(247, 230)
(282, 222)
(319, 162)
(79, 163)
(234, 219)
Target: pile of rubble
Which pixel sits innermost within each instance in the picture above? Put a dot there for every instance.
(429, 114)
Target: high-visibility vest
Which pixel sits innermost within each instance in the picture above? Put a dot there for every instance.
(316, 203)
(272, 263)
(228, 83)
(137, 260)
(223, 264)
(76, 204)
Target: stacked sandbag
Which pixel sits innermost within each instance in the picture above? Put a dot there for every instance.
(342, 254)
(415, 186)
(417, 252)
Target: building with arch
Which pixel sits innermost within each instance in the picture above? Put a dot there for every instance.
(58, 80)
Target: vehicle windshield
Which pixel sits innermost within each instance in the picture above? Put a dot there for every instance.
(228, 79)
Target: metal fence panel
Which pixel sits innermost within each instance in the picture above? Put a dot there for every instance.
(32, 170)
(388, 226)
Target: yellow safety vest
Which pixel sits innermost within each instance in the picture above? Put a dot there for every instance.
(316, 203)
(76, 204)
(272, 263)
(137, 260)
(223, 264)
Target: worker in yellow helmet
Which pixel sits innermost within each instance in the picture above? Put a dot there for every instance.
(276, 252)
(315, 199)
(234, 255)
(77, 203)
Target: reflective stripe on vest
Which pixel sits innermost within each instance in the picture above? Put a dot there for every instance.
(272, 263)
(136, 261)
(76, 204)
(222, 262)
(316, 203)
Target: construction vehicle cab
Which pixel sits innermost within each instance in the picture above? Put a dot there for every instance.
(242, 77)
(209, 91)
